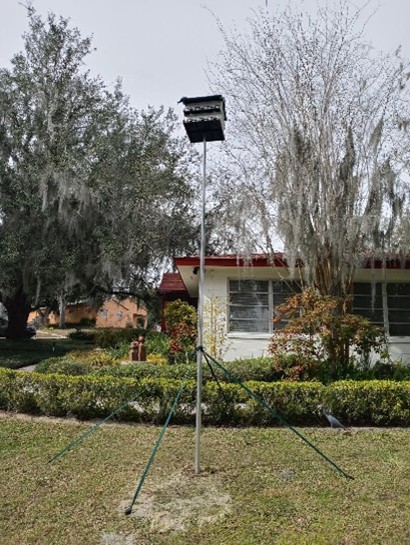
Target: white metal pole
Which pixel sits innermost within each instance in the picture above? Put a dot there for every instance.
(200, 322)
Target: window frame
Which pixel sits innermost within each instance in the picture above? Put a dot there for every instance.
(271, 294)
(390, 326)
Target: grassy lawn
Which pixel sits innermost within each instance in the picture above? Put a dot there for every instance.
(16, 354)
(258, 486)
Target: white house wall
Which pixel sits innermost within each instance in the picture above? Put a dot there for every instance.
(246, 345)
(238, 345)
(399, 349)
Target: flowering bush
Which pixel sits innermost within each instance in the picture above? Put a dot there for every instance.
(181, 326)
(183, 340)
(322, 339)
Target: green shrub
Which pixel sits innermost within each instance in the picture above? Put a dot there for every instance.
(88, 397)
(112, 338)
(62, 366)
(252, 369)
(95, 396)
(157, 343)
(261, 369)
(225, 404)
(13, 363)
(80, 335)
(381, 371)
(373, 402)
(120, 352)
(296, 402)
(157, 359)
(151, 370)
(271, 369)
(18, 392)
(179, 312)
(95, 359)
(7, 380)
(77, 362)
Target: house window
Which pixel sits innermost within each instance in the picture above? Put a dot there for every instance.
(369, 301)
(252, 303)
(398, 303)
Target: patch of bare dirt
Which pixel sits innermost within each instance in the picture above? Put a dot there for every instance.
(174, 503)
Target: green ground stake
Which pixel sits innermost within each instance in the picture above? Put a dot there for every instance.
(92, 430)
(128, 510)
(273, 413)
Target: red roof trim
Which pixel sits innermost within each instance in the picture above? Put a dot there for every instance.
(259, 260)
(232, 261)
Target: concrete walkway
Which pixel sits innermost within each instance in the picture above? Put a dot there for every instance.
(63, 334)
(27, 368)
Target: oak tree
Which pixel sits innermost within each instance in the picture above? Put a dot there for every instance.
(93, 194)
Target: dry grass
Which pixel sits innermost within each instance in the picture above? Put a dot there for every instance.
(258, 487)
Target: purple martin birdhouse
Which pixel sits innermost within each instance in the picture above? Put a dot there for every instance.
(204, 118)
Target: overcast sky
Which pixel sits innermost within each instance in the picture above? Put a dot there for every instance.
(160, 48)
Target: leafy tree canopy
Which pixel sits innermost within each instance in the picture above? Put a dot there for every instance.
(92, 192)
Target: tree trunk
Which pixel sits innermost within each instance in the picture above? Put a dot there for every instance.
(61, 307)
(43, 316)
(18, 309)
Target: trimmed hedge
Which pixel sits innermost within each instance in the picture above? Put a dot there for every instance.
(147, 370)
(90, 396)
(62, 366)
(373, 402)
(258, 369)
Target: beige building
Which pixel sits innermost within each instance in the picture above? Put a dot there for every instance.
(114, 313)
(121, 313)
